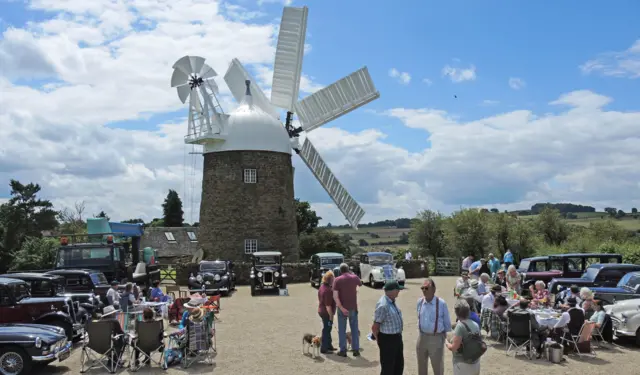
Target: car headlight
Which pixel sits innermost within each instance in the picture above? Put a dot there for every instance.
(38, 342)
(199, 278)
(216, 277)
(259, 274)
(284, 275)
(277, 274)
(225, 277)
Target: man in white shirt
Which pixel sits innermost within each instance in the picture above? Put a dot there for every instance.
(407, 255)
(113, 296)
(565, 318)
(462, 283)
(466, 263)
(482, 284)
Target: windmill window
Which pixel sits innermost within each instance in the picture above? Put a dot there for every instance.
(169, 236)
(192, 236)
(250, 176)
(250, 246)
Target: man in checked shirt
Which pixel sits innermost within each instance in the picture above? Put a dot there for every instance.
(387, 330)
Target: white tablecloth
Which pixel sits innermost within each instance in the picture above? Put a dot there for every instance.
(545, 320)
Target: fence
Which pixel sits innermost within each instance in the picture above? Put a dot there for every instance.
(447, 266)
(167, 275)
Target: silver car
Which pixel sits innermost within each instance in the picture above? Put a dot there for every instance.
(625, 316)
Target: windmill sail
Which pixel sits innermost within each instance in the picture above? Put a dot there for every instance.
(347, 205)
(337, 99)
(236, 77)
(287, 67)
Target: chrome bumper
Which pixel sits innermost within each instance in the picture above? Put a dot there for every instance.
(223, 289)
(620, 328)
(51, 356)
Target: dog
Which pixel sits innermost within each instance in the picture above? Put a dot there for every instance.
(350, 339)
(311, 345)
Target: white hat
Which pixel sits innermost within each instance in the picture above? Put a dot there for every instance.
(108, 310)
(473, 284)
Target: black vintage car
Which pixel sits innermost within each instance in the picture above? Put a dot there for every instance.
(84, 281)
(23, 345)
(45, 285)
(321, 263)
(17, 306)
(213, 277)
(267, 272)
(596, 275)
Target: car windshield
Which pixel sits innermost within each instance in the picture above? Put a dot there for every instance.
(98, 278)
(68, 255)
(629, 280)
(524, 266)
(380, 260)
(590, 273)
(20, 291)
(331, 261)
(267, 259)
(212, 266)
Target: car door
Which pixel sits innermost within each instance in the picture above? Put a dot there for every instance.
(365, 267)
(9, 311)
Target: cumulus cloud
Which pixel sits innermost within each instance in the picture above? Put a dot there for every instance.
(625, 64)
(458, 75)
(402, 77)
(517, 83)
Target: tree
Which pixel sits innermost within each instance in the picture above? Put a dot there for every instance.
(35, 254)
(363, 242)
(173, 216)
(494, 210)
(72, 219)
(550, 224)
(306, 217)
(634, 210)
(24, 215)
(427, 234)
(134, 221)
(611, 211)
(321, 240)
(620, 214)
(500, 230)
(467, 232)
(104, 215)
(522, 238)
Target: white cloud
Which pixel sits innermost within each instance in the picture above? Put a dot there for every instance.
(616, 64)
(402, 77)
(517, 83)
(427, 81)
(488, 102)
(458, 75)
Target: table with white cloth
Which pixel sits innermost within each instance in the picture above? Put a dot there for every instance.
(547, 317)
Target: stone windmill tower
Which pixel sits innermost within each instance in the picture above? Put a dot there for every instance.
(247, 187)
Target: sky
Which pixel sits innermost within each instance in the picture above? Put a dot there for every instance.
(482, 104)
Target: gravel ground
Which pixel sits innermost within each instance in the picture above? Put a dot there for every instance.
(263, 335)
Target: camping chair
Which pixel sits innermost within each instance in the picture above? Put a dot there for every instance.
(101, 348)
(519, 334)
(485, 319)
(200, 342)
(172, 290)
(213, 305)
(604, 334)
(147, 340)
(582, 340)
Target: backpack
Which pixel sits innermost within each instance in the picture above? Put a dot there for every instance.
(473, 347)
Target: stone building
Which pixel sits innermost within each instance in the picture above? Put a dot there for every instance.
(247, 188)
(174, 245)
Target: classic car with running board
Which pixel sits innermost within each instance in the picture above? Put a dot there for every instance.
(376, 268)
(320, 263)
(628, 288)
(24, 345)
(596, 275)
(267, 272)
(213, 277)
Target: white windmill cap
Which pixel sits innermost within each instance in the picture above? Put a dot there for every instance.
(249, 128)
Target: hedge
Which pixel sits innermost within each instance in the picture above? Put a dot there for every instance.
(296, 272)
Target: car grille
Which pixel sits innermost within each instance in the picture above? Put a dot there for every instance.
(616, 322)
(267, 277)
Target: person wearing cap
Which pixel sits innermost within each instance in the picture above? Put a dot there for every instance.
(192, 311)
(387, 330)
(501, 278)
(113, 296)
(572, 292)
(494, 264)
(109, 313)
(433, 324)
(462, 283)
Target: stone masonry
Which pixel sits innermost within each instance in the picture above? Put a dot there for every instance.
(233, 211)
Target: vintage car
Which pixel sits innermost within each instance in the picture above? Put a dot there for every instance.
(213, 277)
(625, 316)
(321, 263)
(84, 281)
(17, 306)
(376, 268)
(550, 267)
(596, 275)
(628, 288)
(267, 272)
(25, 345)
(44, 285)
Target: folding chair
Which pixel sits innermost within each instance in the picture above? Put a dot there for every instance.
(213, 305)
(498, 327)
(147, 340)
(582, 339)
(200, 345)
(485, 320)
(101, 348)
(604, 334)
(172, 290)
(519, 334)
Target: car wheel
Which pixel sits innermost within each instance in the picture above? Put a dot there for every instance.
(401, 283)
(14, 361)
(253, 291)
(371, 283)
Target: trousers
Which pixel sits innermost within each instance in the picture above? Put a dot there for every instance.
(391, 354)
(342, 330)
(430, 347)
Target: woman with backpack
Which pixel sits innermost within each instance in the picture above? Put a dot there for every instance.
(467, 345)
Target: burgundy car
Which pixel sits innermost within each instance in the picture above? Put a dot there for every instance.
(550, 267)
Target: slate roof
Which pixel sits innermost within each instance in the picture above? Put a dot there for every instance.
(180, 246)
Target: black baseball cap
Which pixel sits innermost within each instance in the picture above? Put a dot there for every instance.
(392, 285)
(114, 282)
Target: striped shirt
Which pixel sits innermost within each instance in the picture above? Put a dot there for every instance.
(389, 316)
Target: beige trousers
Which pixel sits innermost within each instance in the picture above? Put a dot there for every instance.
(461, 368)
(430, 348)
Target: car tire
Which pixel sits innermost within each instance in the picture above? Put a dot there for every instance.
(253, 291)
(15, 353)
(371, 282)
(401, 283)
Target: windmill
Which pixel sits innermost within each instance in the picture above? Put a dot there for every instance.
(248, 153)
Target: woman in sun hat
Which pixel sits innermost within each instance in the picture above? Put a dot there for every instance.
(192, 311)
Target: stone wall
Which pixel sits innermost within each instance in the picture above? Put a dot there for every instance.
(232, 210)
(181, 247)
(296, 272)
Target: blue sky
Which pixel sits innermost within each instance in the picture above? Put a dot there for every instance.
(542, 44)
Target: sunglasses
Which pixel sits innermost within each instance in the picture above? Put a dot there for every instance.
(424, 288)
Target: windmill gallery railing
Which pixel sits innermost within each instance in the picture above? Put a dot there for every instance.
(447, 266)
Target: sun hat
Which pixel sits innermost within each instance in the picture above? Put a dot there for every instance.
(473, 284)
(196, 314)
(392, 285)
(108, 310)
(464, 273)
